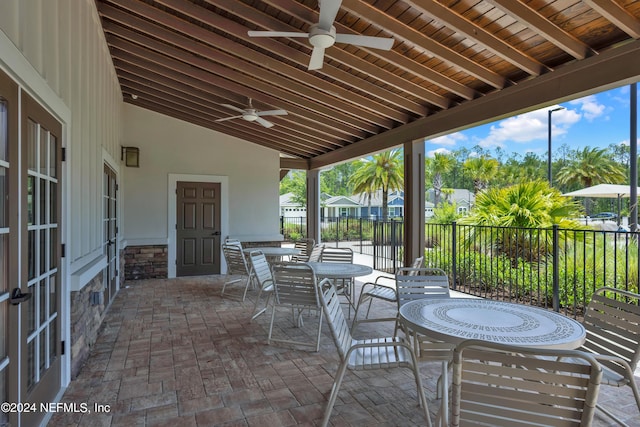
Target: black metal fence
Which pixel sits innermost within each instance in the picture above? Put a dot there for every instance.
(554, 268)
(383, 240)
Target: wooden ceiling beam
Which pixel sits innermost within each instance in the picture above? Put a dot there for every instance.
(399, 60)
(617, 15)
(201, 68)
(329, 134)
(273, 71)
(304, 141)
(478, 34)
(298, 164)
(371, 14)
(609, 69)
(544, 27)
(301, 58)
(251, 132)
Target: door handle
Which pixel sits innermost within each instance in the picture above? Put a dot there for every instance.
(216, 233)
(17, 296)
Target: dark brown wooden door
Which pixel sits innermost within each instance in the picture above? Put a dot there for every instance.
(198, 228)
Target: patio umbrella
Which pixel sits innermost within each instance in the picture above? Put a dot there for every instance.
(612, 191)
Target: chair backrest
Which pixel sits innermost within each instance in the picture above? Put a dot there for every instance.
(417, 263)
(316, 253)
(236, 262)
(261, 268)
(612, 321)
(295, 284)
(304, 246)
(505, 385)
(417, 283)
(335, 317)
(337, 255)
(229, 241)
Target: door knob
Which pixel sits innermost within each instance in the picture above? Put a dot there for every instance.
(17, 296)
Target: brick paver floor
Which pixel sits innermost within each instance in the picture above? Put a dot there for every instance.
(174, 353)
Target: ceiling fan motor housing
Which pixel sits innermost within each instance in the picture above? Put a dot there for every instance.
(322, 38)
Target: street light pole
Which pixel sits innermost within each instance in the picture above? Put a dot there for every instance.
(549, 144)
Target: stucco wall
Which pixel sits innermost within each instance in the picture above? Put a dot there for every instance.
(170, 146)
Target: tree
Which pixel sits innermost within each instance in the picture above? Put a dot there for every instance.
(525, 212)
(438, 165)
(482, 170)
(295, 182)
(382, 171)
(591, 166)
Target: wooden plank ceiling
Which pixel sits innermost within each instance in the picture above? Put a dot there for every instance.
(187, 58)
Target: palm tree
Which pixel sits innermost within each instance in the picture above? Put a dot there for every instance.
(382, 171)
(522, 212)
(481, 170)
(439, 164)
(591, 166)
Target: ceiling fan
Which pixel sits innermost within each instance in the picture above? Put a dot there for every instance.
(323, 34)
(250, 114)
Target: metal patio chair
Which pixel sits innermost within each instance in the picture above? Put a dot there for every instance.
(262, 273)
(612, 321)
(304, 246)
(380, 291)
(236, 266)
(295, 288)
(373, 353)
(506, 385)
(344, 286)
(316, 253)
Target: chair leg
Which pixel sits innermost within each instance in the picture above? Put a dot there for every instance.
(319, 332)
(273, 315)
(255, 313)
(334, 393)
(422, 400)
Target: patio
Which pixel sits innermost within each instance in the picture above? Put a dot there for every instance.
(172, 352)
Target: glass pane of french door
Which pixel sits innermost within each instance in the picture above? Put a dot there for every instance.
(40, 333)
(42, 313)
(110, 221)
(4, 259)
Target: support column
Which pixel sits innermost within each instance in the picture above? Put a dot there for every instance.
(313, 204)
(414, 190)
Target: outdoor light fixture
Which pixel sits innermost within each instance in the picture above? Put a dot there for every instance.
(130, 156)
(549, 145)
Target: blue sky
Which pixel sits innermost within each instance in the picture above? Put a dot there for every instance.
(596, 121)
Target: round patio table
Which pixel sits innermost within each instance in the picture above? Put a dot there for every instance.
(454, 320)
(339, 270)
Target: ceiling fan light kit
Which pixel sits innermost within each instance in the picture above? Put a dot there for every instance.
(322, 38)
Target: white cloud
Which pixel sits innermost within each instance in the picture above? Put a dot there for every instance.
(450, 140)
(589, 107)
(529, 127)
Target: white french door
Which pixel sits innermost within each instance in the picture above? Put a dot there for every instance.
(30, 297)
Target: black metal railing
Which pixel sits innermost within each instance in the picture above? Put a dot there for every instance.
(554, 268)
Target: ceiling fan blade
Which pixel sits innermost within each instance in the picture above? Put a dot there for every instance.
(264, 122)
(272, 113)
(328, 11)
(317, 57)
(276, 34)
(228, 118)
(383, 43)
(233, 107)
